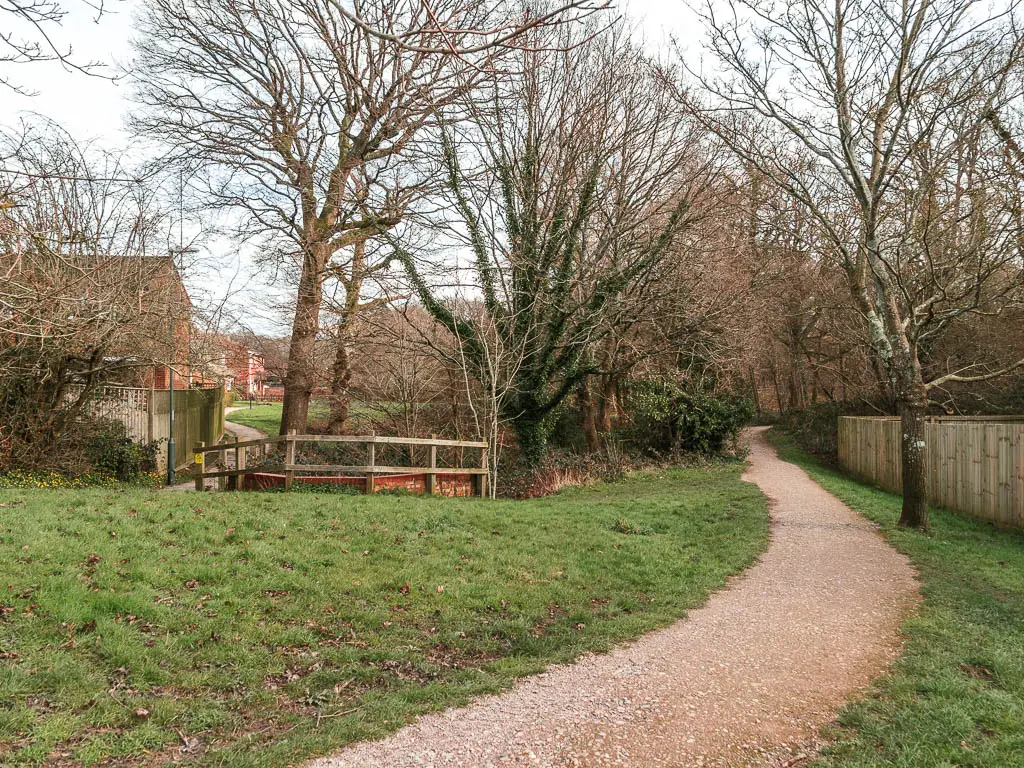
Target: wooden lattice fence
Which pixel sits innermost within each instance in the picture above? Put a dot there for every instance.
(146, 415)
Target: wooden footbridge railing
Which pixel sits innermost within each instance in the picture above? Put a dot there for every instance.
(263, 458)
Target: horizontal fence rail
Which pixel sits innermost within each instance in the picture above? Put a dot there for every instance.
(972, 465)
(241, 464)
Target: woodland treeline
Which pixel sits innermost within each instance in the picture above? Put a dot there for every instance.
(520, 221)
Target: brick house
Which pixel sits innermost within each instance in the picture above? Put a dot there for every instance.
(167, 312)
(248, 376)
(147, 297)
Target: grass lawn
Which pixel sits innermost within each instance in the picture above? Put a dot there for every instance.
(267, 417)
(137, 627)
(956, 697)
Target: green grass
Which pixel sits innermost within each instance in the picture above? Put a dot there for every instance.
(267, 417)
(956, 697)
(258, 629)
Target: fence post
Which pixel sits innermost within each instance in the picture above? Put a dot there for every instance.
(241, 460)
(289, 460)
(232, 483)
(149, 414)
(432, 473)
(482, 484)
(200, 465)
(371, 460)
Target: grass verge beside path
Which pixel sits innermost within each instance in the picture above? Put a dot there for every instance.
(267, 418)
(138, 628)
(956, 697)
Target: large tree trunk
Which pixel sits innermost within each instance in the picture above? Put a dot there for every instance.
(912, 410)
(532, 437)
(895, 360)
(342, 374)
(298, 382)
(607, 409)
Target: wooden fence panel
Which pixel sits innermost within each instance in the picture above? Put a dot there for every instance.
(198, 417)
(128, 405)
(145, 413)
(972, 466)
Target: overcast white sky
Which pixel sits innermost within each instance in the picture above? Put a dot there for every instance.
(94, 109)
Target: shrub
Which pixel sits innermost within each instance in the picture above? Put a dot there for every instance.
(557, 471)
(112, 452)
(816, 426)
(666, 418)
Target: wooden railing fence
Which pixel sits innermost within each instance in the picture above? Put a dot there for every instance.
(250, 457)
(973, 465)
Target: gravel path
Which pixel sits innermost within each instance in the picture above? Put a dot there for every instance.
(746, 680)
(243, 432)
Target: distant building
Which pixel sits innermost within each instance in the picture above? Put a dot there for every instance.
(221, 360)
(247, 374)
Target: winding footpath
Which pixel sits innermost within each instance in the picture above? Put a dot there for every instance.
(749, 679)
(241, 431)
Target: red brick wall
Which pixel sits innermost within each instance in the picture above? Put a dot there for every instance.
(411, 483)
(454, 485)
(447, 484)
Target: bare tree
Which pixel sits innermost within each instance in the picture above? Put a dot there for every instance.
(83, 302)
(896, 108)
(28, 36)
(304, 108)
(569, 191)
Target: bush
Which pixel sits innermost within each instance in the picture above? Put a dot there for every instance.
(815, 427)
(666, 418)
(112, 452)
(557, 471)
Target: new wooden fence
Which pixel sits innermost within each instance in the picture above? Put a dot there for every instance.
(146, 415)
(973, 465)
(279, 457)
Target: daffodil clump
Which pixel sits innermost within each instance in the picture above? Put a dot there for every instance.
(17, 478)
